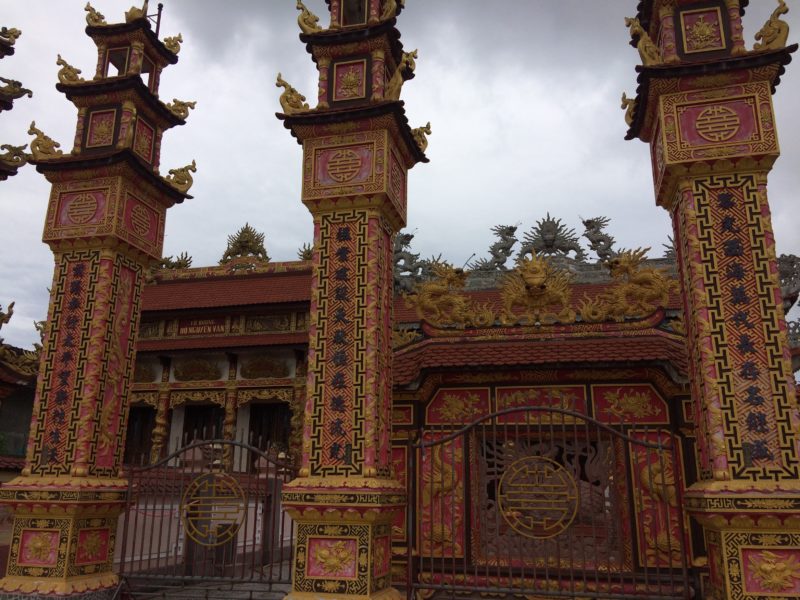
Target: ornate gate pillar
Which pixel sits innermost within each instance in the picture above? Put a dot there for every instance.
(105, 225)
(357, 149)
(710, 124)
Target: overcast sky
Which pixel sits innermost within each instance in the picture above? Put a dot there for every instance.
(522, 95)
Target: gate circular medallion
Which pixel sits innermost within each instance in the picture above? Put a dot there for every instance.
(718, 124)
(538, 497)
(344, 165)
(213, 509)
(82, 208)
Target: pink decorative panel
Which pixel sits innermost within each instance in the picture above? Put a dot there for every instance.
(628, 404)
(702, 30)
(397, 182)
(657, 488)
(441, 499)
(350, 80)
(112, 411)
(38, 548)
(402, 415)
(81, 208)
(344, 165)
(332, 558)
(568, 397)
(771, 571)
(400, 465)
(101, 128)
(381, 556)
(141, 220)
(143, 140)
(92, 547)
(714, 123)
(458, 406)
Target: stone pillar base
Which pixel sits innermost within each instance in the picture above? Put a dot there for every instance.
(62, 538)
(343, 547)
(387, 594)
(104, 594)
(752, 533)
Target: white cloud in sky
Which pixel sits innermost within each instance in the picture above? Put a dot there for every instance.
(522, 95)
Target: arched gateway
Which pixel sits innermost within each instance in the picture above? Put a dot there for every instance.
(557, 432)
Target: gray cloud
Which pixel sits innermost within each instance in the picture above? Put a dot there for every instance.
(523, 97)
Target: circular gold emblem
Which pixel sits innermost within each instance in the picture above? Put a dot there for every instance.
(140, 219)
(538, 497)
(344, 165)
(213, 509)
(82, 209)
(718, 124)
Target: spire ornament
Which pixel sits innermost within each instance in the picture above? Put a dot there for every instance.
(775, 33)
(420, 136)
(43, 147)
(291, 100)
(648, 51)
(173, 44)
(133, 13)
(629, 106)
(307, 20)
(9, 35)
(395, 85)
(181, 179)
(181, 261)
(67, 73)
(94, 18)
(180, 109)
(245, 242)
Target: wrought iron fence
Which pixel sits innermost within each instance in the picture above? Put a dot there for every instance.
(207, 522)
(546, 503)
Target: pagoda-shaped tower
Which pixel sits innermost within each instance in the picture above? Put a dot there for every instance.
(704, 105)
(105, 226)
(357, 150)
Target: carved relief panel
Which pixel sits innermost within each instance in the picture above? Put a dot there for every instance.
(703, 31)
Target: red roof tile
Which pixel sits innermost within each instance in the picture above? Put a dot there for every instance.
(433, 353)
(231, 341)
(239, 290)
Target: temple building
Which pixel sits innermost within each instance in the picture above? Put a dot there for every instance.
(562, 417)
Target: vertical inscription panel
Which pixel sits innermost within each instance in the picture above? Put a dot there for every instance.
(337, 357)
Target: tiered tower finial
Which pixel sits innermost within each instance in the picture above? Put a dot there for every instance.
(357, 150)
(105, 226)
(704, 106)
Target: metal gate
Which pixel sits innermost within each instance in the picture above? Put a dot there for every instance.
(207, 522)
(546, 503)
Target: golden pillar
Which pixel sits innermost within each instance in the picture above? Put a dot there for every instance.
(357, 150)
(710, 124)
(105, 226)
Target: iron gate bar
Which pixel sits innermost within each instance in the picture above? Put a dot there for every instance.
(635, 566)
(231, 530)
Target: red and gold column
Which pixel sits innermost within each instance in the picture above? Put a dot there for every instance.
(105, 225)
(357, 149)
(710, 124)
